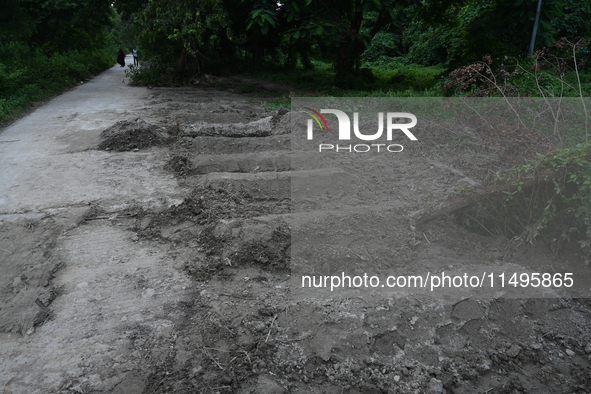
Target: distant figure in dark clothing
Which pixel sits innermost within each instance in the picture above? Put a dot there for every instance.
(121, 57)
(135, 61)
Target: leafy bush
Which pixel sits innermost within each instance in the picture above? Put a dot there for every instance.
(422, 81)
(384, 45)
(550, 199)
(179, 43)
(151, 72)
(279, 102)
(433, 45)
(557, 71)
(417, 77)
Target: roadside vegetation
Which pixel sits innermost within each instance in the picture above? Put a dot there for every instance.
(365, 47)
(30, 76)
(48, 46)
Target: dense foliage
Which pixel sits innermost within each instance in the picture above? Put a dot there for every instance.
(48, 45)
(28, 75)
(183, 38)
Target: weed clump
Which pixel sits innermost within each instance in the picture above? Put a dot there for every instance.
(550, 199)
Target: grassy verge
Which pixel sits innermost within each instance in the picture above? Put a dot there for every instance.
(28, 76)
(373, 80)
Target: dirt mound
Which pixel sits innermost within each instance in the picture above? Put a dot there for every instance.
(203, 207)
(277, 124)
(131, 134)
(257, 128)
(264, 243)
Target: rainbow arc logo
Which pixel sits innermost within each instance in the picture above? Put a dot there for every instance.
(317, 116)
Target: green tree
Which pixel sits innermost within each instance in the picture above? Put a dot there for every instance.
(345, 28)
(575, 22)
(464, 31)
(504, 27)
(47, 45)
(56, 25)
(186, 33)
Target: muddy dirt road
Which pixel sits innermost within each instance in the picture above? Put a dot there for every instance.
(153, 241)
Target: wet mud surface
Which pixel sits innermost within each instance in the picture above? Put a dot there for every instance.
(202, 292)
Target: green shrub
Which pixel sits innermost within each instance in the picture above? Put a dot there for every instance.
(551, 201)
(417, 77)
(556, 71)
(280, 102)
(150, 73)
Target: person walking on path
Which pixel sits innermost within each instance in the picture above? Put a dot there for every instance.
(135, 60)
(121, 57)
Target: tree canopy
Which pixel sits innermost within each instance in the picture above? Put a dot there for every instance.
(56, 25)
(203, 34)
(48, 45)
(184, 38)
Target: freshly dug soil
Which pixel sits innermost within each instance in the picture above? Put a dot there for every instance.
(132, 134)
(180, 269)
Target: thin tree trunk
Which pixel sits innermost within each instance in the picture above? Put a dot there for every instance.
(352, 46)
(182, 63)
